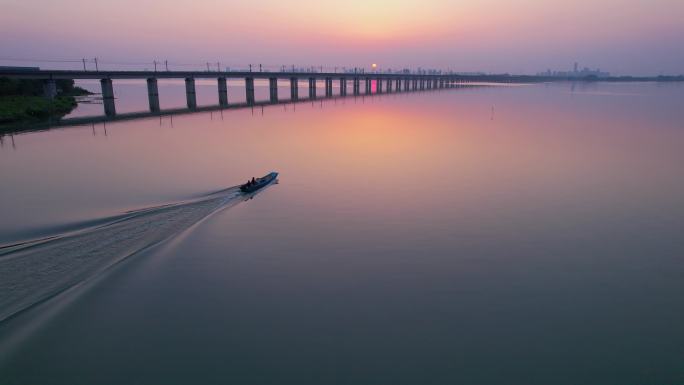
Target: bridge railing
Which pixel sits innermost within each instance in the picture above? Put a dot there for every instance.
(103, 64)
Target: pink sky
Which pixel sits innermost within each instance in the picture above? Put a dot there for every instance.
(521, 36)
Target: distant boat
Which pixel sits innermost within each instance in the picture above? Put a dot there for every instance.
(258, 183)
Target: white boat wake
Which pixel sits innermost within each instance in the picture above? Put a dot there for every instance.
(34, 271)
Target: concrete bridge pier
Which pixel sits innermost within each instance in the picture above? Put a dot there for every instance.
(294, 89)
(356, 86)
(312, 88)
(343, 86)
(328, 87)
(414, 84)
(153, 94)
(249, 90)
(50, 89)
(190, 94)
(389, 85)
(368, 86)
(378, 86)
(273, 89)
(407, 85)
(398, 84)
(108, 97)
(422, 83)
(222, 92)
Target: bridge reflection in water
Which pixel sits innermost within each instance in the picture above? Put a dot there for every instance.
(374, 90)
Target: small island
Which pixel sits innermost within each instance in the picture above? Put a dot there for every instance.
(23, 100)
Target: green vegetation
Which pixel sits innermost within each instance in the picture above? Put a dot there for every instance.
(22, 101)
(15, 109)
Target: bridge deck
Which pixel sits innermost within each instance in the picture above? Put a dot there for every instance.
(71, 74)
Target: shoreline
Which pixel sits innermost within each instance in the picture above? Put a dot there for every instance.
(22, 101)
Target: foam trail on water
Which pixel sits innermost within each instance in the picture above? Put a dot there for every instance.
(34, 271)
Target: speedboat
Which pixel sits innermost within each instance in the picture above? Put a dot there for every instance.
(258, 183)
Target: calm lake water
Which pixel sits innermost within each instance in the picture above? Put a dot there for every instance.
(500, 235)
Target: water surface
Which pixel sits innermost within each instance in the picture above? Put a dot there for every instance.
(519, 235)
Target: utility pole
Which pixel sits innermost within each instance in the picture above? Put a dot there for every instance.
(166, 63)
(207, 66)
(250, 68)
(96, 69)
(84, 66)
(155, 65)
(259, 67)
(218, 66)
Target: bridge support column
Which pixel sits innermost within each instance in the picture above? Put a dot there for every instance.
(190, 94)
(398, 84)
(356, 86)
(50, 89)
(294, 89)
(378, 86)
(153, 94)
(312, 88)
(328, 87)
(222, 92)
(368, 86)
(389, 85)
(406, 84)
(273, 89)
(108, 97)
(343, 86)
(249, 90)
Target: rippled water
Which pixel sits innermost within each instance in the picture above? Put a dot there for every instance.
(518, 234)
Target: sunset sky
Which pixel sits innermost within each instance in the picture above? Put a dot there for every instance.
(517, 36)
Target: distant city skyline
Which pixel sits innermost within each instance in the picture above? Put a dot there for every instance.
(576, 72)
(518, 36)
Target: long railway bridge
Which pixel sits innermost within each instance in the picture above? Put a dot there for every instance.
(372, 83)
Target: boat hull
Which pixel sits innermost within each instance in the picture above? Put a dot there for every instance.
(260, 183)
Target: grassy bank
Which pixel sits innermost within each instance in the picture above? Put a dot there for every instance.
(16, 109)
(22, 101)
